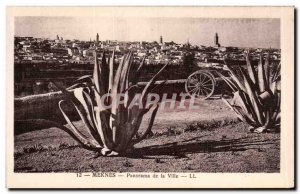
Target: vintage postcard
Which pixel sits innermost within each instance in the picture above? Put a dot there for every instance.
(150, 97)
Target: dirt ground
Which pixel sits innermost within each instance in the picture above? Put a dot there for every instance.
(207, 139)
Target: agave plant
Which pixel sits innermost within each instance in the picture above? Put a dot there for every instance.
(113, 130)
(256, 94)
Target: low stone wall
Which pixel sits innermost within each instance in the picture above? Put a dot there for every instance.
(42, 106)
(45, 106)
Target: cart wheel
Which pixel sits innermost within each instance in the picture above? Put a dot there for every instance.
(200, 84)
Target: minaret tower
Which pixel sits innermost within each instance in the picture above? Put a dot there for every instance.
(217, 40)
(97, 38)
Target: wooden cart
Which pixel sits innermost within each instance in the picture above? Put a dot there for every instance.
(201, 82)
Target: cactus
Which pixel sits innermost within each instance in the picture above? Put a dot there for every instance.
(256, 95)
(110, 131)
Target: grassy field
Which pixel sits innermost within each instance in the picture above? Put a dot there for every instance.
(209, 139)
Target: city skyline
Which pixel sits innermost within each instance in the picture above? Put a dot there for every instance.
(260, 33)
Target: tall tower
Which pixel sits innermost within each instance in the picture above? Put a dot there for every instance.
(161, 40)
(97, 38)
(57, 37)
(217, 40)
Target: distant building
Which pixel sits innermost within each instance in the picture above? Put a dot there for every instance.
(88, 53)
(57, 37)
(217, 44)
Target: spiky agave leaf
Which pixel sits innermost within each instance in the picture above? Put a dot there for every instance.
(93, 118)
(114, 122)
(111, 71)
(124, 136)
(78, 85)
(138, 72)
(238, 114)
(109, 131)
(105, 72)
(276, 73)
(240, 100)
(258, 105)
(85, 78)
(234, 76)
(124, 80)
(136, 116)
(125, 72)
(149, 126)
(230, 83)
(251, 91)
(85, 111)
(120, 87)
(100, 87)
(81, 107)
(251, 71)
(262, 79)
(135, 125)
(267, 68)
(96, 75)
(91, 114)
(87, 141)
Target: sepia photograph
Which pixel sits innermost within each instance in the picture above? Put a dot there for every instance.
(123, 95)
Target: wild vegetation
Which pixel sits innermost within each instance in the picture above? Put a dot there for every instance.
(113, 130)
(256, 94)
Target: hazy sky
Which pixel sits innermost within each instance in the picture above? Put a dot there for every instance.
(232, 32)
